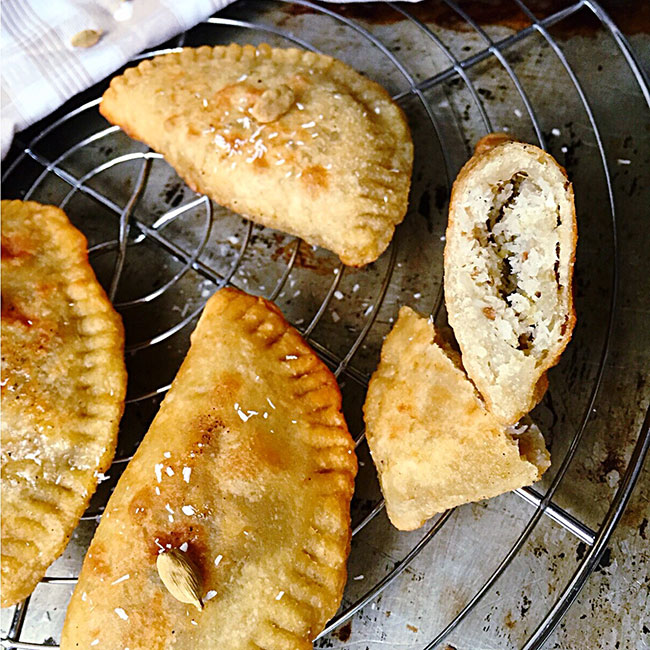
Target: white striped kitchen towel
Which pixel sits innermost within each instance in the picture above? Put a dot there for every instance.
(41, 69)
(40, 66)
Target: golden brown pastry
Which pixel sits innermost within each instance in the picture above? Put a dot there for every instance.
(247, 473)
(295, 140)
(434, 443)
(63, 386)
(509, 258)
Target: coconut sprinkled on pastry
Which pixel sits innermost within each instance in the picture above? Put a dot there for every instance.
(266, 510)
(63, 386)
(294, 140)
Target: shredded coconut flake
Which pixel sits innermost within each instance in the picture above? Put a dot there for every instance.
(186, 474)
(188, 510)
(210, 595)
(121, 613)
(126, 576)
(280, 594)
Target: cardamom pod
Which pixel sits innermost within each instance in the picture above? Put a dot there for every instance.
(180, 576)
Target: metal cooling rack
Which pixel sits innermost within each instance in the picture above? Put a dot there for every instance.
(160, 255)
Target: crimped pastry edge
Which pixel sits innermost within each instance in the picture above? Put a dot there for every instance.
(381, 226)
(78, 270)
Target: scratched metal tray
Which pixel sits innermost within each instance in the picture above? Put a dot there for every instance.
(495, 574)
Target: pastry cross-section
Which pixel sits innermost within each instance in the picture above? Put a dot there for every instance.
(63, 386)
(247, 469)
(295, 140)
(509, 256)
(432, 440)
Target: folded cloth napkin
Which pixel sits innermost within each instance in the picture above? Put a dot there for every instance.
(54, 49)
(48, 54)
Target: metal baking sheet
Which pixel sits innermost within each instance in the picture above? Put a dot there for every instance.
(587, 108)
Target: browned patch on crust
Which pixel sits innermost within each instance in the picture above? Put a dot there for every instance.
(224, 393)
(242, 95)
(315, 178)
(406, 408)
(298, 83)
(15, 246)
(140, 505)
(489, 313)
(96, 562)
(489, 141)
(12, 314)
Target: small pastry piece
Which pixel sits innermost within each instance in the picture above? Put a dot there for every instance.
(248, 470)
(509, 257)
(434, 443)
(63, 386)
(294, 140)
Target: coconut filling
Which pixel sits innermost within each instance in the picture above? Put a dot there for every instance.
(530, 443)
(517, 269)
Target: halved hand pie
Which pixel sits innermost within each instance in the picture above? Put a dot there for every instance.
(247, 473)
(433, 441)
(63, 386)
(295, 140)
(509, 256)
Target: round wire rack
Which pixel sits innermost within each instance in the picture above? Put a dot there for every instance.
(161, 251)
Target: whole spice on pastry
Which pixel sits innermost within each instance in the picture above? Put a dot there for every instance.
(295, 140)
(180, 576)
(246, 472)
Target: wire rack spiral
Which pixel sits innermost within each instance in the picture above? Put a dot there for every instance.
(150, 258)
